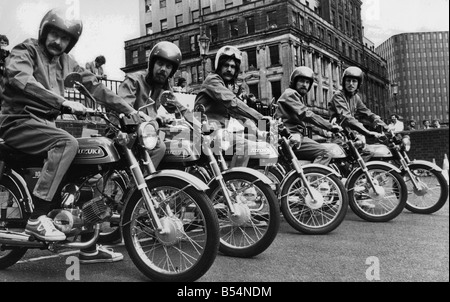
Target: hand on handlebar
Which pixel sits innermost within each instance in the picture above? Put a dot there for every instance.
(74, 107)
(336, 128)
(376, 134)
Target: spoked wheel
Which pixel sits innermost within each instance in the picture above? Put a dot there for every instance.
(381, 206)
(432, 191)
(254, 226)
(188, 246)
(320, 213)
(16, 220)
(115, 188)
(273, 173)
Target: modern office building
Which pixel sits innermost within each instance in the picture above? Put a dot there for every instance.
(418, 70)
(275, 36)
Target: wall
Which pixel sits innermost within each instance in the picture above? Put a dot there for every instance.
(429, 144)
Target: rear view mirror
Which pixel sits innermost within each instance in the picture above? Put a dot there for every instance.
(72, 80)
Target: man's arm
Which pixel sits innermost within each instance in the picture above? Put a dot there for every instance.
(216, 90)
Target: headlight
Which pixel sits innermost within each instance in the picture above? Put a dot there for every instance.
(148, 136)
(406, 143)
(223, 138)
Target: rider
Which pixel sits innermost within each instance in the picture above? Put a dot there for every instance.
(294, 114)
(218, 95)
(347, 103)
(33, 99)
(140, 88)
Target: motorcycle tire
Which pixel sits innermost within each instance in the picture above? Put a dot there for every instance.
(361, 194)
(314, 218)
(434, 198)
(181, 255)
(252, 232)
(275, 175)
(10, 196)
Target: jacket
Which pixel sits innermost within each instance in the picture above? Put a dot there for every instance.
(221, 103)
(342, 106)
(295, 114)
(35, 83)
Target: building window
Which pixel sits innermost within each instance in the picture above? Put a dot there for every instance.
(193, 43)
(250, 24)
(148, 6)
(301, 21)
(206, 10)
(149, 28)
(178, 1)
(254, 89)
(228, 4)
(252, 60)
(195, 16)
(274, 55)
(234, 30)
(179, 20)
(213, 33)
(162, 3)
(272, 19)
(276, 89)
(176, 42)
(135, 56)
(163, 24)
(148, 50)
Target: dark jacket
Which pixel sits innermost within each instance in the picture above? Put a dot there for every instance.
(295, 114)
(221, 103)
(35, 84)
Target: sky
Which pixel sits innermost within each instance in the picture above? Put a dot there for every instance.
(109, 23)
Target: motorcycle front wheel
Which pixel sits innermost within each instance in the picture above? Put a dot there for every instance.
(189, 245)
(432, 193)
(321, 214)
(257, 219)
(384, 206)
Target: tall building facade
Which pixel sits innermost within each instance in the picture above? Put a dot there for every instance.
(418, 71)
(275, 37)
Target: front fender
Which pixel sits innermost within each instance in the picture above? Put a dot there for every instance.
(257, 173)
(374, 163)
(194, 181)
(425, 163)
(331, 170)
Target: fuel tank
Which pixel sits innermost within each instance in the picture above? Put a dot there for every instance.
(178, 151)
(96, 150)
(379, 151)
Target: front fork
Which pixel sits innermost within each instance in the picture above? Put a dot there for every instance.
(362, 164)
(141, 185)
(404, 163)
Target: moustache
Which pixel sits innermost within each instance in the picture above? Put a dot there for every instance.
(55, 47)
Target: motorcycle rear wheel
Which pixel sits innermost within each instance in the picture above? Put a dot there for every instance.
(386, 207)
(239, 238)
(436, 190)
(309, 219)
(9, 196)
(190, 247)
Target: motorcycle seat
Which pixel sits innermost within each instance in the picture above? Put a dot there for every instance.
(18, 157)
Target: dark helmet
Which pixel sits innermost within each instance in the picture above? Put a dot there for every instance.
(229, 52)
(353, 72)
(303, 72)
(55, 19)
(167, 51)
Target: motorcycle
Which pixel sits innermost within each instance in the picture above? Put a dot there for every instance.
(376, 189)
(246, 206)
(427, 186)
(312, 197)
(160, 234)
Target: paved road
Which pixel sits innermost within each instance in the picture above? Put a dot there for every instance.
(411, 248)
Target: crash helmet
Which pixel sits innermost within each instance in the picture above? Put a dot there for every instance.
(167, 51)
(229, 52)
(57, 18)
(303, 72)
(353, 72)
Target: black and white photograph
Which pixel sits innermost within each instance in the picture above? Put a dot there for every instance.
(227, 148)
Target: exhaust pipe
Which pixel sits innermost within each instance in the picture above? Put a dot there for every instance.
(14, 239)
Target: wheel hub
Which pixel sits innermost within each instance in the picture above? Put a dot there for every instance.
(422, 189)
(373, 193)
(173, 231)
(315, 201)
(242, 215)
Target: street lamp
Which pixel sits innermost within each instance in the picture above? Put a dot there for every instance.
(395, 92)
(203, 43)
